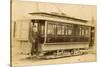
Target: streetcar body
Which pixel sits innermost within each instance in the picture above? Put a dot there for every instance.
(58, 35)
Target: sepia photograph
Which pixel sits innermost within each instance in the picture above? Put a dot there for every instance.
(45, 33)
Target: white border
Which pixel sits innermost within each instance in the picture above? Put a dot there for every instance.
(5, 32)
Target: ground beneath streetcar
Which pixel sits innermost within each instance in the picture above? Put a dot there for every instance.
(25, 60)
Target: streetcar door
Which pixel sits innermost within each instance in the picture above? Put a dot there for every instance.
(33, 37)
(37, 27)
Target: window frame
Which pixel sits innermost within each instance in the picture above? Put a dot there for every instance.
(58, 28)
(84, 28)
(54, 26)
(70, 28)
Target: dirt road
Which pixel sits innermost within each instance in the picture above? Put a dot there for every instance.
(26, 60)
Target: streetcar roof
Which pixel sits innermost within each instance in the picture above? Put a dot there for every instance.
(59, 18)
(59, 15)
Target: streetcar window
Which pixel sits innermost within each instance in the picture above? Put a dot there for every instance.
(69, 32)
(59, 29)
(87, 32)
(80, 31)
(66, 30)
(42, 29)
(76, 30)
(69, 29)
(51, 29)
(63, 28)
(84, 31)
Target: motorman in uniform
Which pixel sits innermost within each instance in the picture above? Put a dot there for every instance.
(34, 39)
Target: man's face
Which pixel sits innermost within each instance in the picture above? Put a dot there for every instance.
(34, 28)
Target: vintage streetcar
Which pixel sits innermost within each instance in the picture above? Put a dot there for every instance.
(55, 35)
